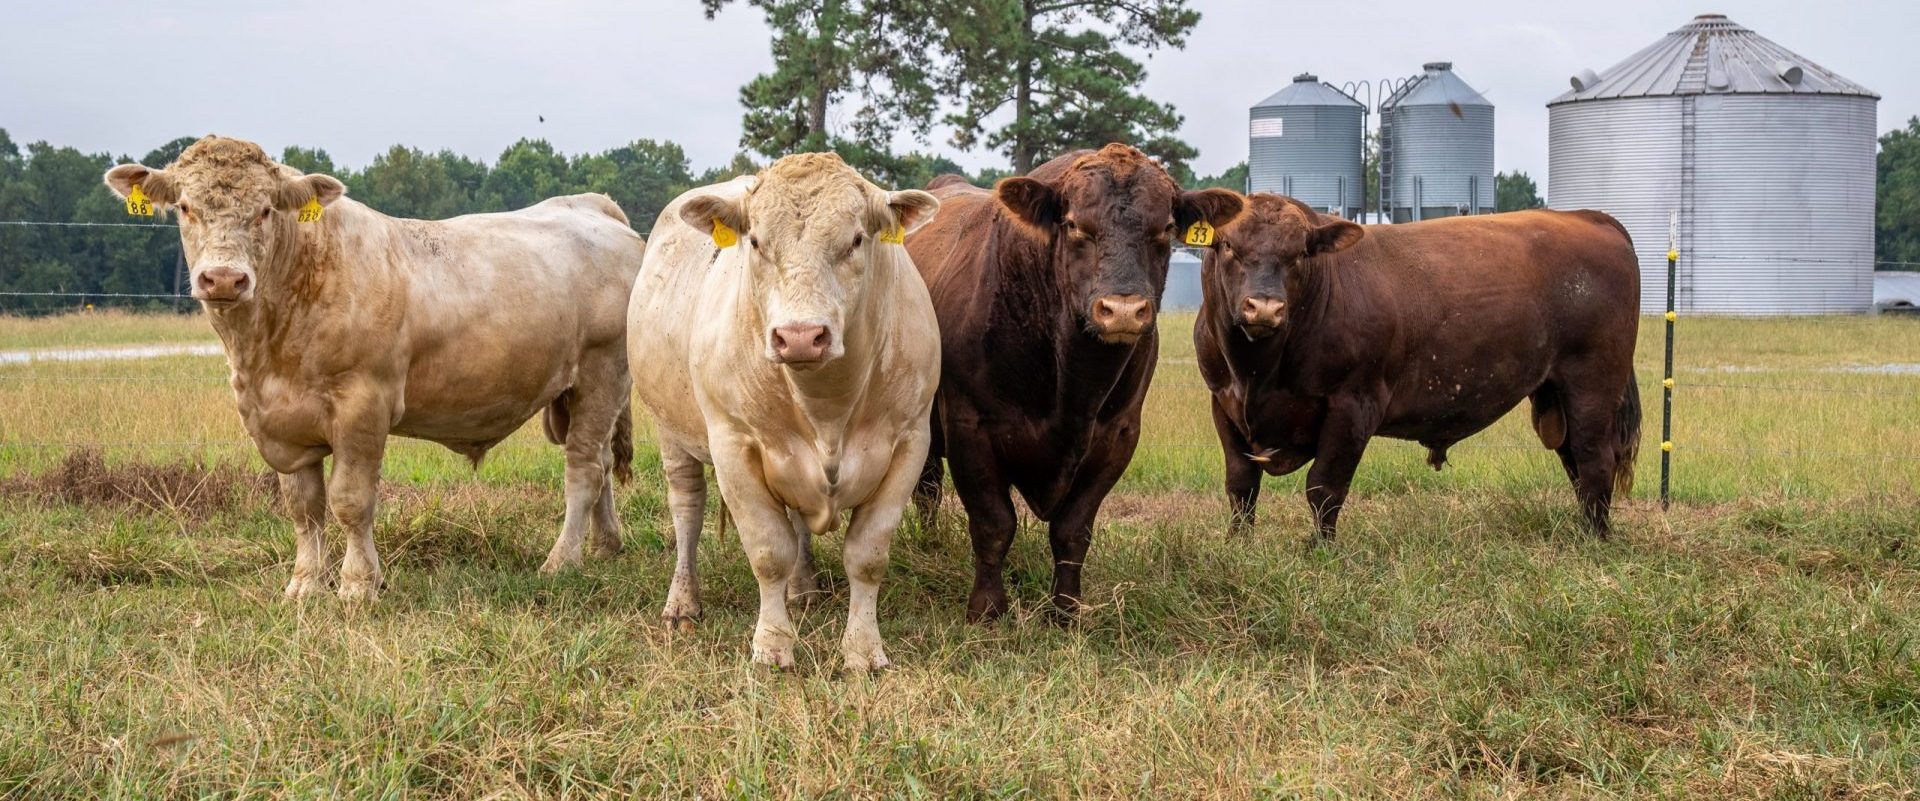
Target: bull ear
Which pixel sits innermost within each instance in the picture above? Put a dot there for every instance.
(294, 193)
(1333, 237)
(702, 211)
(1216, 206)
(1033, 202)
(912, 208)
(155, 184)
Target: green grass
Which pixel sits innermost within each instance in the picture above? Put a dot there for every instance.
(1463, 638)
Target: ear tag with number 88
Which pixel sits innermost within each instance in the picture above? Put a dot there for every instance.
(137, 203)
(312, 211)
(1200, 234)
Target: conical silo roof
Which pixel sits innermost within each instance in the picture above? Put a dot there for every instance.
(1711, 55)
(1308, 90)
(1437, 85)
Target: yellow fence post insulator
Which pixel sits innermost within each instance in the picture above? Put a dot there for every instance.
(1672, 317)
(1667, 446)
(1668, 383)
(1673, 255)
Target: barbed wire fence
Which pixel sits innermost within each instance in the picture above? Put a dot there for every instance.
(11, 375)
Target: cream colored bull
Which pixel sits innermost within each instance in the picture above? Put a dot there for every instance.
(780, 333)
(343, 325)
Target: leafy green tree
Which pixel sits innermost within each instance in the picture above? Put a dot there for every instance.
(527, 173)
(643, 177)
(310, 160)
(1897, 229)
(1514, 191)
(1234, 178)
(1058, 65)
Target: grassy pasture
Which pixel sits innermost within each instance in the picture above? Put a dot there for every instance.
(1464, 638)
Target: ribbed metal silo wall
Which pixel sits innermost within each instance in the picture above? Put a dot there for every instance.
(1316, 159)
(1622, 157)
(1783, 204)
(1446, 152)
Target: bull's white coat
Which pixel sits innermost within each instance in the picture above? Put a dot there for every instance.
(359, 325)
(791, 448)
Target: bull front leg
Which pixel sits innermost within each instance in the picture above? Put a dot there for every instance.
(869, 540)
(1242, 473)
(1348, 426)
(305, 492)
(766, 535)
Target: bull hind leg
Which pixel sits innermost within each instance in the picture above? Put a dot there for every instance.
(926, 493)
(1590, 454)
(591, 410)
(687, 501)
(804, 585)
(606, 520)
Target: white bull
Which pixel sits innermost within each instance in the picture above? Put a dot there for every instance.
(780, 333)
(342, 326)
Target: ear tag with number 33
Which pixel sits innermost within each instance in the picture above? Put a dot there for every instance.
(723, 236)
(1200, 234)
(312, 211)
(137, 203)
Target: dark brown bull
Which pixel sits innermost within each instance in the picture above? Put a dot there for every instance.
(1316, 334)
(1045, 289)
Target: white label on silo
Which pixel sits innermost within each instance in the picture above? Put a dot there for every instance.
(1267, 128)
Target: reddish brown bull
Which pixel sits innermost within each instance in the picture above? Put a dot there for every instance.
(1316, 335)
(1045, 289)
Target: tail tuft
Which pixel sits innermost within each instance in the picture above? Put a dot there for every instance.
(1626, 427)
(623, 445)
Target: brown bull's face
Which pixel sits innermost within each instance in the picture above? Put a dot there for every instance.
(1113, 220)
(813, 233)
(234, 206)
(1255, 260)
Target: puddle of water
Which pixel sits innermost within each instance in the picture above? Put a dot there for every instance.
(106, 354)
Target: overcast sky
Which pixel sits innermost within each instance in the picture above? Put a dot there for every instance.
(355, 76)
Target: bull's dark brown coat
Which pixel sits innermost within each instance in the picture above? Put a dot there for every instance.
(1045, 290)
(1316, 335)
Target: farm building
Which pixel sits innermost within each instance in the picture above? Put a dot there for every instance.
(1304, 142)
(1436, 147)
(1767, 157)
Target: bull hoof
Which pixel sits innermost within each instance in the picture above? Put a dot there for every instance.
(682, 624)
(607, 549)
(867, 662)
(556, 565)
(986, 606)
(360, 590)
(302, 587)
(804, 589)
(773, 656)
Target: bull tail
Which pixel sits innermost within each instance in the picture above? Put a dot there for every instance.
(1626, 430)
(721, 526)
(623, 444)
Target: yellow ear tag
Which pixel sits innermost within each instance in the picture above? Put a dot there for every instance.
(895, 235)
(137, 203)
(724, 236)
(312, 211)
(1200, 234)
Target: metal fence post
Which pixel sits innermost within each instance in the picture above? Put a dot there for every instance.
(1666, 382)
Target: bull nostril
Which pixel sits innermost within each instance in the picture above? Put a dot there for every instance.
(820, 340)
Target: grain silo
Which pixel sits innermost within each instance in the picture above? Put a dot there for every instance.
(1767, 157)
(1436, 147)
(1304, 142)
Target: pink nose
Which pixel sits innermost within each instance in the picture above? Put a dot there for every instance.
(1262, 311)
(1122, 315)
(221, 284)
(801, 343)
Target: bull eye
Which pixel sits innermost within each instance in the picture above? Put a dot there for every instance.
(184, 210)
(858, 238)
(264, 214)
(754, 241)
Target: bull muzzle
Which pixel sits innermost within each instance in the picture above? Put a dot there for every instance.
(801, 344)
(1121, 318)
(223, 285)
(1261, 315)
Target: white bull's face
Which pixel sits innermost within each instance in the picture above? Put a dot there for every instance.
(811, 237)
(235, 208)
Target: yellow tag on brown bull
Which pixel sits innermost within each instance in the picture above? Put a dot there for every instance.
(896, 235)
(312, 211)
(724, 236)
(137, 203)
(1200, 234)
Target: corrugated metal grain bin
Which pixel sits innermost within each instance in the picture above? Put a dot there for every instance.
(1767, 157)
(1305, 142)
(1436, 150)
